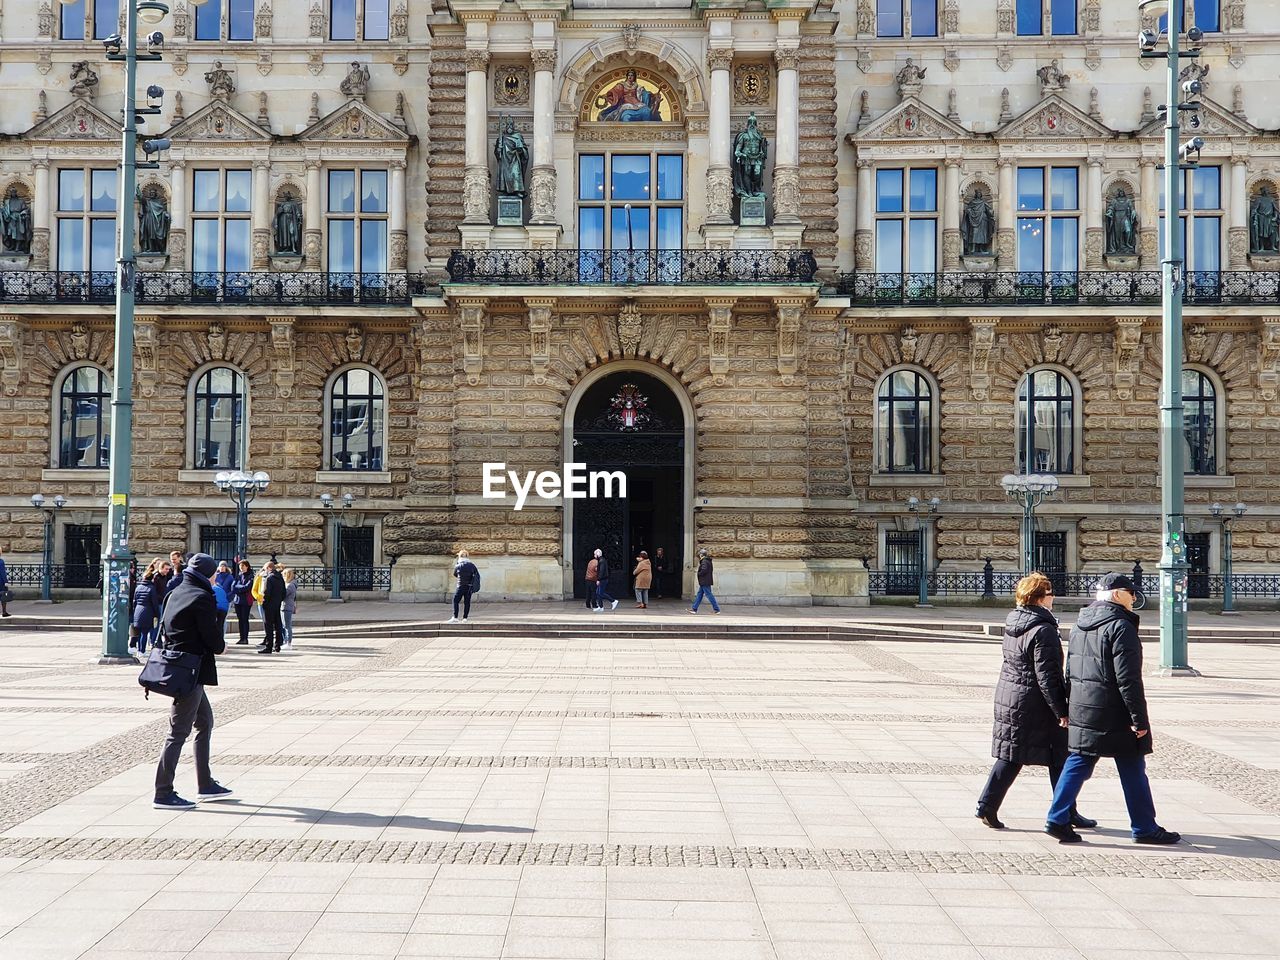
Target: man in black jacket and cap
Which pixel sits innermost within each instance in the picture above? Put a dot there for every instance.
(272, 601)
(191, 626)
(1108, 713)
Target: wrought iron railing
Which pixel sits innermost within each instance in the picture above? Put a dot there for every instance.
(355, 579)
(249, 288)
(676, 267)
(1054, 289)
(70, 575)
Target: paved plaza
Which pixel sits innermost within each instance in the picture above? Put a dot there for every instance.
(689, 792)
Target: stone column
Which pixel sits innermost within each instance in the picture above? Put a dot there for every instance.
(475, 189)
(41, 204)
(951, 216)
(1238, 231)
(311, 219)
(1094, 242)
(719, 171)
(542, 177)
(786, 165)
(261, 215)
(865, 209)
(1006, 247)
(178, 213)
(398, 242)
(1149, 211)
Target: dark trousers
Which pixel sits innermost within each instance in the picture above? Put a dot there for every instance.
(602, 593)
(1133, 781)
(1003, 773)
(462, 595)
(186, 712)
(273, 625)
(591, 594)
(242, 618)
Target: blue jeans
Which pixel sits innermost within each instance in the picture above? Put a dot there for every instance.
(288, 627)
(1133, 780)
(705, 592)
(602, 593)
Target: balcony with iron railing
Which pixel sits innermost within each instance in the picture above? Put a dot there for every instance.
(1054, 289)
(574, 267)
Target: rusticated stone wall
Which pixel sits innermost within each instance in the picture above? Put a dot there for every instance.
(818, 144)
(444, 147)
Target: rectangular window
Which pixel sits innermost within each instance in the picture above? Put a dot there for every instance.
(1048, 229)
(906, 221)
(342, 20)
(240, 25)
(357, 221)
(924, 18)
(1201, 222)
(631, 201)
(1030, 17)
(1208, 16)
(72, 16)
(1062, 18)
(106, 18)
(209, 21)
(221, 231)
(590, 176)
(889, 18)
(377, 19)
(86, 217)
(591, 228)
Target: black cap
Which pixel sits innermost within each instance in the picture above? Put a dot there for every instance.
(203, 564)
(1116, 581)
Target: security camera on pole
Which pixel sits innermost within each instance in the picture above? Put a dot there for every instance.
(1178, 157)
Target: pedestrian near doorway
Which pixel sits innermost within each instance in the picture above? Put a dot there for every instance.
(191, 626)
(661, 567)
(602, 583)
(272, 602)
(706, 579)
(644, 579)
(467, 575)
(242, 598)
(592, 575)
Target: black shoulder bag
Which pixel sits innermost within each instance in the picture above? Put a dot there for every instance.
(169, 672)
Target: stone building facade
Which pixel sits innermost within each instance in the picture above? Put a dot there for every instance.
(341, 298)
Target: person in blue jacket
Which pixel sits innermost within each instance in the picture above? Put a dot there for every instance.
(224, 578)
(146, 606)
(242, 598)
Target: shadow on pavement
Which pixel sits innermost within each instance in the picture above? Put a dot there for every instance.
(330, 817)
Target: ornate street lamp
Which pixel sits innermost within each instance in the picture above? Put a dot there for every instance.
(1228, 597)
(46, 566)
(925, 512)
(1030, 490)
(243, 488)
(326, 501)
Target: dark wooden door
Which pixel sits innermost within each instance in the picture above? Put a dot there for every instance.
(902, 562)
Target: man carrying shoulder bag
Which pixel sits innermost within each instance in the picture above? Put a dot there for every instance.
(190, 621)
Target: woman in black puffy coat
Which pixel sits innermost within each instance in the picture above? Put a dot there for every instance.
(1031, 699)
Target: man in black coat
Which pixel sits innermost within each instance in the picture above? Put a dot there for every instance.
(191, 626)
(272, 601)
(1108, 713)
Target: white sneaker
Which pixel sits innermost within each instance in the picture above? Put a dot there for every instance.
(465, 620)
(452, 620)
(615, 605)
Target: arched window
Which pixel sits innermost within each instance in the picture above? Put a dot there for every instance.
(357, 420)
(1046, 423)
(84, 419)
(904, 423)
(219, 420)
(1200, 422)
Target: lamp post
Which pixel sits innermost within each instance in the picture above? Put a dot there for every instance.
(243, 488)
(1228, 598)
(326, 501)
(46, 566)
(1030, 490)
(1177, 157)
(925, 512)
(118, 557)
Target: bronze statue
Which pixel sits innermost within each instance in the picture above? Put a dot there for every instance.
(288, 226)
(1121, 226)
(154, 221)
(15, 223)
(750, 149)
(1264, 223)
(513, 156)
(978, 226)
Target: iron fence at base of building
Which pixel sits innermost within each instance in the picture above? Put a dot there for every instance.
(1031, 288)
(355, 579)
(687, 267)
(89, 576)
(70, 575)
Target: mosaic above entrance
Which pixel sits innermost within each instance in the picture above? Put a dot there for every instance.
(631, 96)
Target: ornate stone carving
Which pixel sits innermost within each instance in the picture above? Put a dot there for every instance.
(1235, 54)
(951, 59)
(261, 248)
(790, 315)
(477, 60)
(177, 245)
(181, 21)
(1238, 248)
(42, 107)
(950, 18)
(284, 354)
(262, 21)
(1052, 343)
(862, 258)
(1128, 352)
(146, 351)
(314, 116)
(511, 85)
(1006, 108)
(400, 65)
(311, 248)
(221, 84)
(79, 340)
(1004, 16)
(1148, 108)
(786, 193)
(44, 62)
(316, 20)
(354, 341)
(864, 109)
(910, 79)
(719, 195)
(264, 62)
(787, 58)
(355, 84)
(1269, 358)
(1093, 248)
(540, 337)
(1092, 56)
(752, 85)
(631, 38)
(1004, 58)
(908, 341)
(1193, 344)
(45, 21)
(1237, 102)
(719, 58)
(11, 352)
(471, 326)
(40, 249)
(1091, 17)
(1235, 14)
(398, 251)
(400, 22)
(544, 58)
(867, 18)
(264, 118)
(315, 62)
(982, 338)
(1052, 78)
(953, 112)
(216, 338)
(720, 316)
(179, 62)
(542, 194)
(863, 59)
(630, 328)
(84, 80)
(1095, 110)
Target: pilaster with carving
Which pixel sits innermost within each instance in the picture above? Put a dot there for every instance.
(720, 322)
(471, 325)
(398, 251)
(542, 194)
(11, 353)
(475, 195)
(786, 194)
(1269, 358)
(982, 338)
(283, 354)
(720, 195)
(146, 353)
(262, 21)
(1238, 248)
(1128, 353)
(316, 21)
(790, 317)
(540, 312)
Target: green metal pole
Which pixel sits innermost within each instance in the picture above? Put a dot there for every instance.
(1028, 534)
(923, 599)
(46, 573)
(119, 557)
(1228, 598)
(1173, 557)
(336, 591)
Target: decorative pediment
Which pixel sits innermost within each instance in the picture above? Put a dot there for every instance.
(912, 119)
(1216, 122)
(78, 120)
(220, 122)
(354, 121)
(1054, 117)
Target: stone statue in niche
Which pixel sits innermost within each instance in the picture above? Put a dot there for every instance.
(1121, 218)
(15, 223)
(750, 150)
(287, 225)
(978, 226)
(84, 81)
(513, 156)
(221, 85)
(356, 83)
(154, 221)
(910, 79)
(1264, 224)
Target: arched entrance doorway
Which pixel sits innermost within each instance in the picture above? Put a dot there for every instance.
(633, 418)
